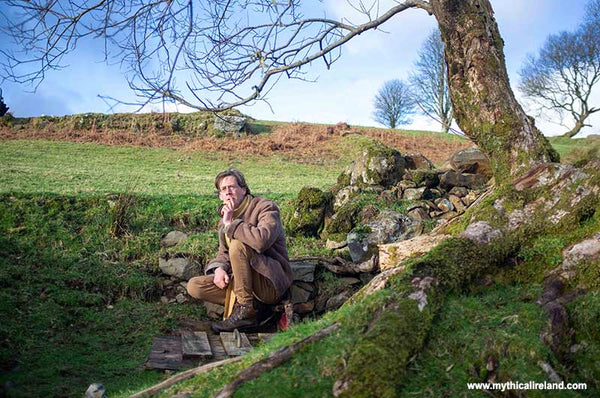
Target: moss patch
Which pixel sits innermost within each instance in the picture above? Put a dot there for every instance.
(378, 362)
(502, 322)
(310, 209)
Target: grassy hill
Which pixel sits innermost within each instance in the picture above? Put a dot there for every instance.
(80, 297)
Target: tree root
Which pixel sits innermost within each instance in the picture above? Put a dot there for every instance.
(183, 376)
(277, 358)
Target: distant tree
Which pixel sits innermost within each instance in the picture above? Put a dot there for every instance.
(567, 68)
(3, 107)
(429, 82)
(394, 104)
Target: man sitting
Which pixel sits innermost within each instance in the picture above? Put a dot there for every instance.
(252, 255)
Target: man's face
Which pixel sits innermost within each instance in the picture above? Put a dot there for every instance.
(229, 190)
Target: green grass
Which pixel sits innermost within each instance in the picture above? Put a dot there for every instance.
(68, 168)
(80, 305)
(570, 149)
(503, 322)
(61, 267)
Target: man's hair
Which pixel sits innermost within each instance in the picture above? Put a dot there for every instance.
(239, 177)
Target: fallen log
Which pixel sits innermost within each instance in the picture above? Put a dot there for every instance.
(277, 358)
(183, 376)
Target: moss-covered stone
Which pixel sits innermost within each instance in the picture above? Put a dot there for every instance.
(310, 208)
(378, 165)
(425, 177)
(343, 220)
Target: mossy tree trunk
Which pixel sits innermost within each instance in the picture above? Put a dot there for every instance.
(484, 105)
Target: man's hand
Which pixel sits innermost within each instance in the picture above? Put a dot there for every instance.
(221, 278)
(228, 211)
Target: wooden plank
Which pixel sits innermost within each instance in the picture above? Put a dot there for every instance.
(165, 354)
(232, 346)
(195, 344)
(253, 339)
(217, 347)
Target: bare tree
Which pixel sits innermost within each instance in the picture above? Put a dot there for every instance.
(393, 104)
(566, 70)
(429, 82)
(3, 107)
(215, 54)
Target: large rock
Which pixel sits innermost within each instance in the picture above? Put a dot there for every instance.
(95, 390)
(471, 160)
(458, 204)
(230, 124)
(444, 205)
(480, 232)
(378, 165)
(418, 214)
(179, 267)
(415, 193)
(417, 161)
(310, 210)
(342, 222)
(392, 254)
(173, 238)
(303, 270)
(389, 227)
(587, 250)
(301, 292)
(425, 177)
(451, 179)
(461, 192)
(344, 195)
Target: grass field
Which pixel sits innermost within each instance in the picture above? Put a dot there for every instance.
(73, 169)
(80, 304)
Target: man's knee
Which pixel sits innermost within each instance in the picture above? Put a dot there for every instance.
(198, 286)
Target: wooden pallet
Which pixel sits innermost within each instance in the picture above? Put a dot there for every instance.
(235, 343)
(194, 348)
(166, 353)
(195, 345)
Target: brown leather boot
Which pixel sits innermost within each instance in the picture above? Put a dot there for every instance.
(242, 317)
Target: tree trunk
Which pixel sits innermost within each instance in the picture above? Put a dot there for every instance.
(578, 126)
(485, 107)
(445, 124)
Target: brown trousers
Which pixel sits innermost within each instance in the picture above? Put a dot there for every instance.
(247, 283)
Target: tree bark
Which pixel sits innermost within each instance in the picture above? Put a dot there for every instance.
(578, 126)
(485, 107)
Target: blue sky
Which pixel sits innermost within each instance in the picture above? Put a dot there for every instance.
(344, 93)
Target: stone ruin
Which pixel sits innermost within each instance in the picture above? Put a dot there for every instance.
(376, 215)
(381, 199)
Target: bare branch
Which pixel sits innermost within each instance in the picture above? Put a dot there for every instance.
(429, 82)
(202, 54)
(565, 72)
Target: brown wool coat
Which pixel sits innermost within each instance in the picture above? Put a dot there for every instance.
(260, 228)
